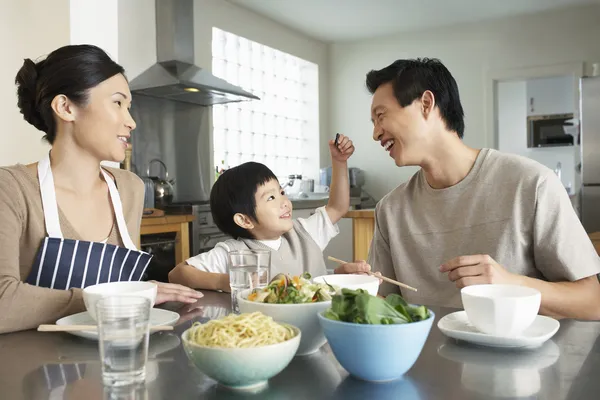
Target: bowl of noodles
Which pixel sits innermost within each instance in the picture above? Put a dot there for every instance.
(292, 300)
(241, 352)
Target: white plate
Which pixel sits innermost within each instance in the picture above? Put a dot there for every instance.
(157, 317)
(457, 326)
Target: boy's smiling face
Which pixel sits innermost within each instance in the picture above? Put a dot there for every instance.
(273, 213)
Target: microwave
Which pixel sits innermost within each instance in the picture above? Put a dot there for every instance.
(549, 130)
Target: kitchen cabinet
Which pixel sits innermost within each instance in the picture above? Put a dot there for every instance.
(171, 223)
(554, 95)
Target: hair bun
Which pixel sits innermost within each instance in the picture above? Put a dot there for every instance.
(26, 81)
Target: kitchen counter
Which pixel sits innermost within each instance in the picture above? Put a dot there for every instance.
(171, 223)
(303, 204)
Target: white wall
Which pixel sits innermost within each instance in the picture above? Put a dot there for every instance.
(512, 116)
(137, 42)
(512, 103)
(470, 52)
(28, 29)
(96, 22)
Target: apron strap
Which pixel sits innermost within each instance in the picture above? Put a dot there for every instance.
(49, 198)
(50, 207)
(118, 207)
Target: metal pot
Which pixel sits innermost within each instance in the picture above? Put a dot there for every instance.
(163, 188)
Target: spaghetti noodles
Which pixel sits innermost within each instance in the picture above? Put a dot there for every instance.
(237, 331)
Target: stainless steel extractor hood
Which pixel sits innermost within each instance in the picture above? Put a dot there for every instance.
(174, 76)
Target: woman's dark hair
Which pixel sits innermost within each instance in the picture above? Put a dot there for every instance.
(411, 78)
(234, 193)
(70, 71)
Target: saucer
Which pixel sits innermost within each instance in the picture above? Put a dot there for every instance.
(157, 317)
(457, 326)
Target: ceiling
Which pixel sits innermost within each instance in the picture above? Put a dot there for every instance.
(345, 20)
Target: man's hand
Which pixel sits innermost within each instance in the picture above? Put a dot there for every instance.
(477, 270)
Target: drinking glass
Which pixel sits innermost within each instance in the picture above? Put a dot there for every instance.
(123, 330)
(247, 270)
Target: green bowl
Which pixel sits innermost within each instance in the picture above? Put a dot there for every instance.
(242, 368)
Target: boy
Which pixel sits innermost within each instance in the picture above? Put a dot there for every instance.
(248, 204)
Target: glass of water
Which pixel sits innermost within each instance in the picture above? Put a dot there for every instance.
(123, 328)
(248, 269)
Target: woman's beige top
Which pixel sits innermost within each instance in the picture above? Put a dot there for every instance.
(22, 230)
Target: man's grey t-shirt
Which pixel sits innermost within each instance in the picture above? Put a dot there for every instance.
(509, 207)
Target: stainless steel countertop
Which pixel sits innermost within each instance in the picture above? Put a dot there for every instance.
(567, 367)
(303, 204)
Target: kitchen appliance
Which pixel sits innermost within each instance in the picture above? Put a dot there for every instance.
(148, 192)
(356, 179)
(204, 234)
(548, 130)
(174, 76)
(163, 188)
(589, 153)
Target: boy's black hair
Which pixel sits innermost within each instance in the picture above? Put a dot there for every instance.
(234, 193)
(410, 78)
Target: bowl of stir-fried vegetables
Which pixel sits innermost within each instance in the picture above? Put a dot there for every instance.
(294, 300)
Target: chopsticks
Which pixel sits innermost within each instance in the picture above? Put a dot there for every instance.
(78, 328)
(403, 285)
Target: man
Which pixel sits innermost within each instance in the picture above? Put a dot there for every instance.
(470, 216)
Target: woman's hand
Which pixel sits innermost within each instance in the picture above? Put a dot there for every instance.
(173, 292)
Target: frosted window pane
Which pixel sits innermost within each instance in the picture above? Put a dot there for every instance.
(281, 129)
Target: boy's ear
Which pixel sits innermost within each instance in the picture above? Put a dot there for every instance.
(243, 221)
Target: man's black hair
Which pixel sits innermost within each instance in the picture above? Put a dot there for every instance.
(411, 78)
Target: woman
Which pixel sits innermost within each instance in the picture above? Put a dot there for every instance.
(65, 222)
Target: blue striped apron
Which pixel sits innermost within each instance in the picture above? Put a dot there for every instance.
(66, 263)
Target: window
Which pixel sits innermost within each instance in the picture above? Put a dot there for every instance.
(281, 130)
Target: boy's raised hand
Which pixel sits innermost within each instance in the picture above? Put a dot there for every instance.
(343, 150)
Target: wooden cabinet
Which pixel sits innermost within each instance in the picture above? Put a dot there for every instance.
(171, 223)
(363, 226)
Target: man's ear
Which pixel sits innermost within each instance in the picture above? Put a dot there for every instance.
(427, 103)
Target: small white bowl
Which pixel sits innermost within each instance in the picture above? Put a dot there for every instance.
(92, 294)
(501, 310)
(303, 315)
(242, 368)
(351, 281)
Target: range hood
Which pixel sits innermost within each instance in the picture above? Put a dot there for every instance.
(174, 76)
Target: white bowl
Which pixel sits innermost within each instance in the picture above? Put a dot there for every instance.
(501, 310)
(92, 294)
(242, 368)
(351, 281)
(303, 315)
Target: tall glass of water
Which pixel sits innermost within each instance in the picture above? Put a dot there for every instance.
(247, 270)
(123, 328)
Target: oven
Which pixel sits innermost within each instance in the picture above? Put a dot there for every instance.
(204, 236)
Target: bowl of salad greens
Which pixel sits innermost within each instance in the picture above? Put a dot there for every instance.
(375, 339)
(293, 300)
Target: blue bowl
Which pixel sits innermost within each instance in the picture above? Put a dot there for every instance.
(376, 353)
